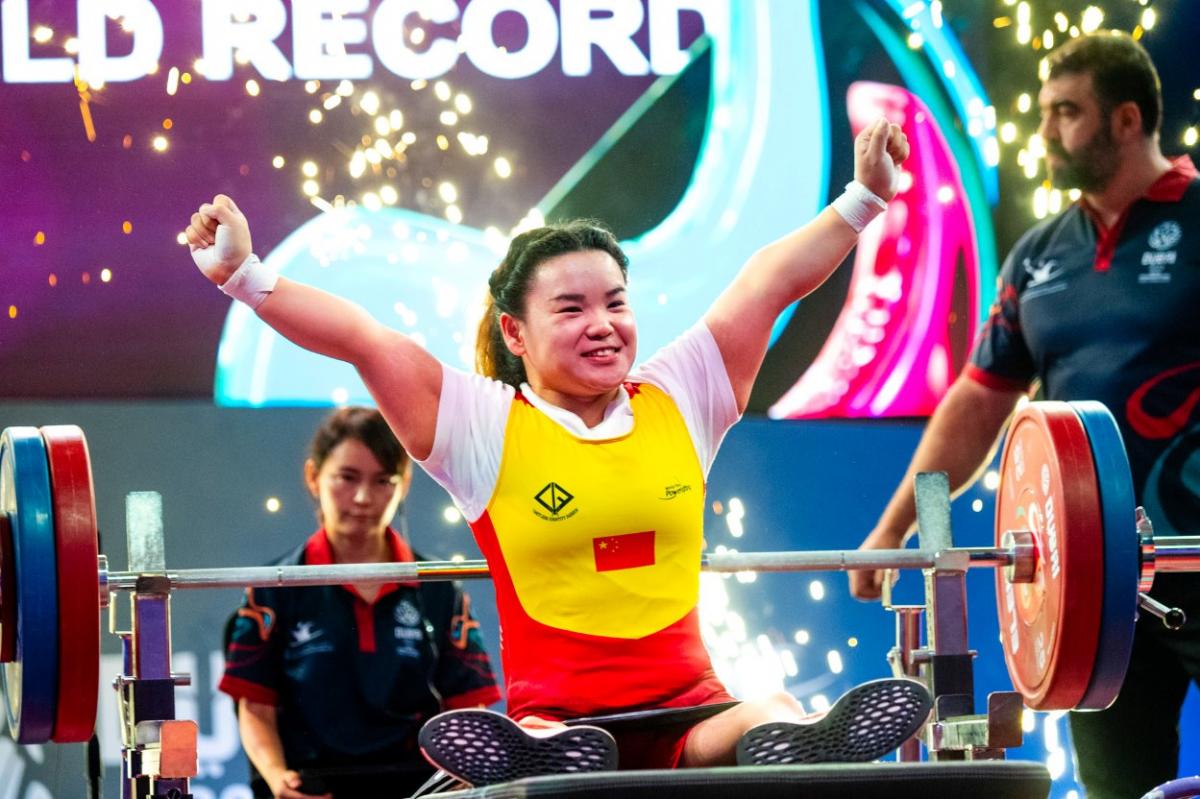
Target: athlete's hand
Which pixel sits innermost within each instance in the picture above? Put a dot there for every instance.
(866, 584)
(879, 150)
(286, 785)
(219, 238)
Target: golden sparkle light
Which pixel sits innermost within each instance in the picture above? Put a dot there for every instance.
(85, 108)
(369, 102)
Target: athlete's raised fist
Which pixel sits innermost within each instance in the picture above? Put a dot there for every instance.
(879, 150)
(219, 238)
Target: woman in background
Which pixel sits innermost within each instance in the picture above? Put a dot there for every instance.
(333, 683)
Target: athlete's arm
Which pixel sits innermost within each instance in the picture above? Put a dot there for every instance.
(959, 440)
(404, 379)
(788, 269)
(260, 738)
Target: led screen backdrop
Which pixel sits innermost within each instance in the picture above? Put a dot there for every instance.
(385, 151)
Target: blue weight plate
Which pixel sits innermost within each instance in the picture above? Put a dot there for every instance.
(31, 681)
(1121, 548)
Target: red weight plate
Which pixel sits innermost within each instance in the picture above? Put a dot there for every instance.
(78, 583)
(8, 593)
(1050, 627)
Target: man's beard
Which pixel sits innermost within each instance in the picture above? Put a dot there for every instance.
(1089, 168)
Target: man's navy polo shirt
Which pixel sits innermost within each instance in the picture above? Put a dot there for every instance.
(354, 681)
(1114, 315)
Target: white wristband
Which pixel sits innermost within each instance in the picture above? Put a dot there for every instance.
(252, 282)
(858, 205)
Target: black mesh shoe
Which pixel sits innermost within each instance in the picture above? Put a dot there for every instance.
(864, 724)
(482, 747)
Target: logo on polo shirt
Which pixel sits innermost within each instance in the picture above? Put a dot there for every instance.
(1166, 236)
(409, 629)
(407, 614)
(1046, 276)
(1041, 271)
(303, 633)
(307, 640)
(1162, 254)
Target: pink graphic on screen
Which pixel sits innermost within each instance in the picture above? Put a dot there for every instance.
(890, 351)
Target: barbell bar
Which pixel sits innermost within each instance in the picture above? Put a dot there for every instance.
(1173, 554)
(1069, 545)
(376, 573)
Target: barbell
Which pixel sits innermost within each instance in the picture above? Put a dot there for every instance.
(1072, 553)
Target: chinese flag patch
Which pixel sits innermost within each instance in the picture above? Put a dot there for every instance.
(627, 551)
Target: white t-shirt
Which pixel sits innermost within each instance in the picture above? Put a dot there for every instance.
(473, 414)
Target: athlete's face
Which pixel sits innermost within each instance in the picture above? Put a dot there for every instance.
(1081, 152)
(578, 338)
(356, 495)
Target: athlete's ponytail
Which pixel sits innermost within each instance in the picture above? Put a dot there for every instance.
(492, 356)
